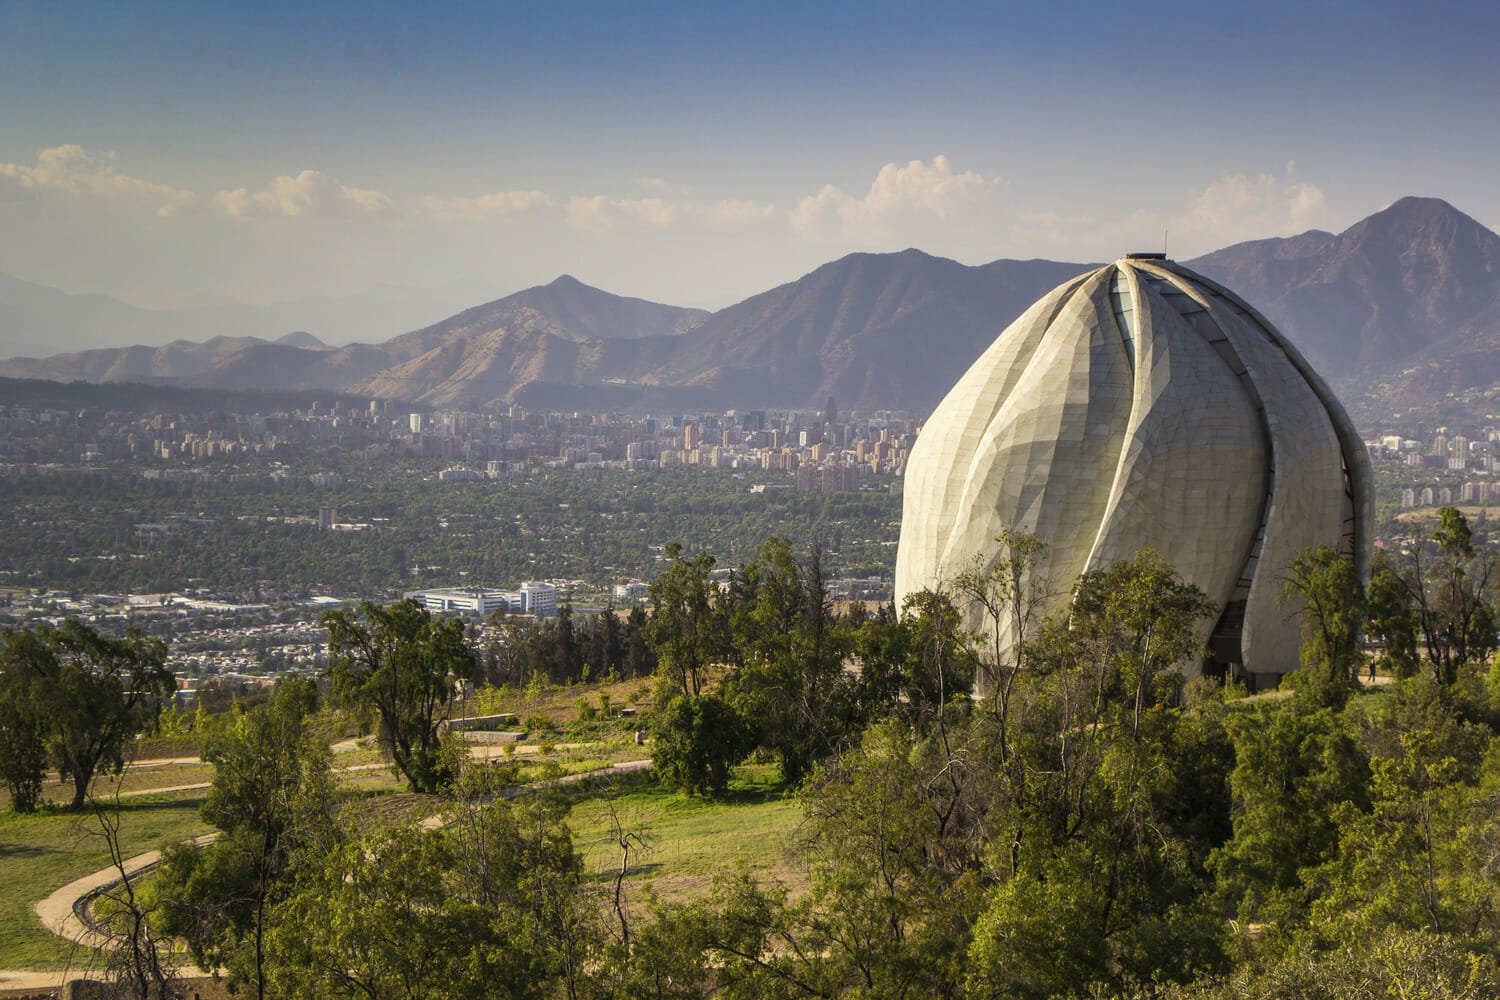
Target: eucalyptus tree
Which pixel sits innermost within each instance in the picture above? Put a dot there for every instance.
(402, 663)
(270, 799)
(89, 693)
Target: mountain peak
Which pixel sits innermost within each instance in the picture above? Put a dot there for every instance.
(1411, 215)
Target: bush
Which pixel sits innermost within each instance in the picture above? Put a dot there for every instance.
(697, 741)
(585, 710)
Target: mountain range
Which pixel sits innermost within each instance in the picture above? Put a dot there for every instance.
(1404, 302)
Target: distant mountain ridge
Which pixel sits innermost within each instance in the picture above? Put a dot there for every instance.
(1405, 300)
(39, 321)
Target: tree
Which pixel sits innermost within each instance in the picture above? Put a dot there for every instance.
(606, 647)
(1419, 858)
(1333, 615)
(1137, 621)
(134, 962)
(686, 631)
(1008, 595)
(270, 798)
(1294, 766)
(1457, 621)
(91, 693)
(640, 661)
(789, 676)
(696, 741)
(1392, 620)
(23, 736)
(1098, 840)
(485, 908)
(403, 663)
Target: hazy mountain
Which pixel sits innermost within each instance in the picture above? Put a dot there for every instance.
(37, 321)
(1405, 301)
(870, 329)
(893, 330)
(1417, 280)
(475, 356)
(570, 309)
(176, 360)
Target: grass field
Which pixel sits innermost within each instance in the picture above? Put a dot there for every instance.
(42, 852)
(689, 839)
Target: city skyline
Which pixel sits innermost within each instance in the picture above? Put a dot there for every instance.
(169, 154)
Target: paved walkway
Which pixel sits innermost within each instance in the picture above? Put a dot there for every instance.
(62, 913)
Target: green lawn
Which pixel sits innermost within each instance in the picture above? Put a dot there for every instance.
(42, 852)
(691, 839)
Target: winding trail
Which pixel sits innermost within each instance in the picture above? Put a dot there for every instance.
(65, 911)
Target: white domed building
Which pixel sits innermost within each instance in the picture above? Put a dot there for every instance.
(1143, 405)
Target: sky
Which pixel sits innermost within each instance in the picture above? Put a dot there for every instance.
(175, 154)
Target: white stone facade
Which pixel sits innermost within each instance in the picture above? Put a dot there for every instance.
(1142, 405)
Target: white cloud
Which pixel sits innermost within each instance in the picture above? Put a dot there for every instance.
(601, 214)
(483, 207)
(915, 189)
(73, 169)
(734, 214)
(1232, 209)
(310, 194)
(1238, 208)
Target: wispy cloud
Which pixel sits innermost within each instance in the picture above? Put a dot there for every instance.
(1232, 209)
(73, 169)
(916, 189)
(484, 207)
(311, 194)
(601, 214)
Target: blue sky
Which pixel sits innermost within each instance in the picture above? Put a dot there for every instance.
(169, 153)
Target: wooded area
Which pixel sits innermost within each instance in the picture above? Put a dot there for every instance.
(1091, 828)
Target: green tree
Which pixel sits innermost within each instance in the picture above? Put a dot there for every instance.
(91, 691)
(1333, 614)
(1294, 766)
(1392, 619)
(1448, 594)
(687, 632)
(1419, 857)
(895, 879)
(1099, 840)
(1137, 622)
(23, 734)
(270, 798)
(640, 661)
(1005, 593)
(484, 908)
(790, 656)
(403, 663)
(696, 741)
